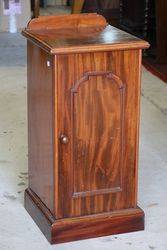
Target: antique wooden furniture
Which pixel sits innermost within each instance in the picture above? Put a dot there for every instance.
(108, 8)
(35, 6)
(83, 122)
(134, 16)
(77, 6)
(146, 19)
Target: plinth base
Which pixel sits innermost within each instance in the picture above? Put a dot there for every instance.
(71, 229)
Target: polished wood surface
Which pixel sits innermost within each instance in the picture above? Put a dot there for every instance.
(83, 121)
(97, 133)
(60, 22)
(40, 124)
(96, 36)
(72, 229)
(102, 148)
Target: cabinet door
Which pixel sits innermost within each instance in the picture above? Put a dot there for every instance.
(97, 127)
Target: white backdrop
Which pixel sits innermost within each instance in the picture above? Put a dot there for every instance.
(21, 19)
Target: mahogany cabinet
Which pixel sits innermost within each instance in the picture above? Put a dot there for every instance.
(83, 124)
(135, 15)
(139, 18)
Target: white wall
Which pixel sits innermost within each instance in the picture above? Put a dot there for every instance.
(21, 19)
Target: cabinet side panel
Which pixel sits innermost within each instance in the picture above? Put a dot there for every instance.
(40, 124)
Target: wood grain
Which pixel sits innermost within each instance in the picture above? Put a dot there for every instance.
(65, 230)
(79, 33)
(79, 122)
(40, 124)
(129, 220)
(83, 123)
(76, 21)
(97, 133)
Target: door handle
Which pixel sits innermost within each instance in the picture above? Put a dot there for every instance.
(64, 139)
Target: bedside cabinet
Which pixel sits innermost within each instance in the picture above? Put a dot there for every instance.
(83, 125)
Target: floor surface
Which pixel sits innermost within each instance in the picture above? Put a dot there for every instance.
(17, 229)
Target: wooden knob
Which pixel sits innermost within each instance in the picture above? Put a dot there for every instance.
(64, 139)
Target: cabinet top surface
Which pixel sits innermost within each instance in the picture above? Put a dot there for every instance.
(79, 33)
